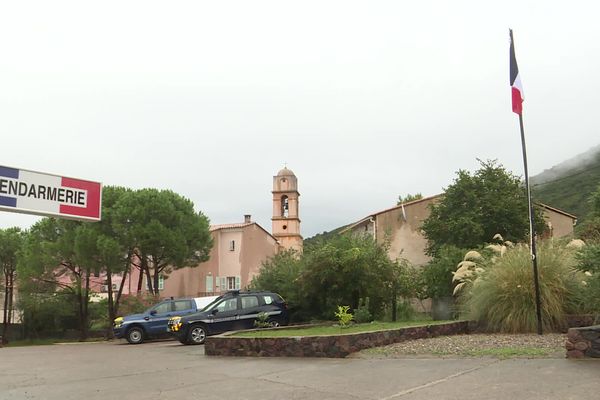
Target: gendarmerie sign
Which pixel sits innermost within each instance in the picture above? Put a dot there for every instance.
(39, 193)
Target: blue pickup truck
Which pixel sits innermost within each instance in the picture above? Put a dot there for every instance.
(152, 323)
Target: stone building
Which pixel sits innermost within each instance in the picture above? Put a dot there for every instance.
(401, 226)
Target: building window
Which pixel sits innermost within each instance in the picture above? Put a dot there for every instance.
(232, 245)
(209, 284)
(233, 283)
(161, 283)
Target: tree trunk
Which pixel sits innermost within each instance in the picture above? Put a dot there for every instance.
(79, 295)
(86, 302)
(394, 307)
(122, 285)
(142, 267)
(156, 274)
(146, 270)
(11, 292)
(5, 319)
(111, 306)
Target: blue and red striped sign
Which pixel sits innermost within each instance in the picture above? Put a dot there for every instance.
(38, 193)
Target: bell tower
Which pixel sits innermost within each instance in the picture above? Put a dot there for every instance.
(286, 217)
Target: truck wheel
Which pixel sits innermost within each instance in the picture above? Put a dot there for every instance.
(135, 335)
(273, 323)
(183, 341)
(196, 335)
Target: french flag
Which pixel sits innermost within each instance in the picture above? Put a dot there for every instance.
(515, 80)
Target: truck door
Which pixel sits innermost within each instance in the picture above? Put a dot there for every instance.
(158, 318)
(225, 315)
(249, 312)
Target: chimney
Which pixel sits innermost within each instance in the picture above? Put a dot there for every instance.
(247, 218)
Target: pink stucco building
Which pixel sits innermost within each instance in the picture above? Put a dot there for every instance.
(239, 249)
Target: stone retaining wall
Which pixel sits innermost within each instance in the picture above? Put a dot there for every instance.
(583, 342)
(323, 346)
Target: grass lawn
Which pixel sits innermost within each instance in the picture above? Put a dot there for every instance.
(336, 330)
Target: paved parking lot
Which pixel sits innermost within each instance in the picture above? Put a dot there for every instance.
(168, 370)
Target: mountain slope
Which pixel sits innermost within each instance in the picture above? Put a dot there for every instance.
(568, 185)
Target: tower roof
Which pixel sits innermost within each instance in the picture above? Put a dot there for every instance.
(285, 172)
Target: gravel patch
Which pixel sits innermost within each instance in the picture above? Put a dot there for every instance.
(549, 345)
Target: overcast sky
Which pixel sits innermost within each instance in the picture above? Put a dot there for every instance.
(363, 100)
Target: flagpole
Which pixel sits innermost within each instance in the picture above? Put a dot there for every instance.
(536, 282)
(517, 107)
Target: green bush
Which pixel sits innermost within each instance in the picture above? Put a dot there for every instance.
(135, 304)
(362, 313)
(502, 296)
(588, 262)
(437, 274)
(262, 320)
(344, 316)
(98, 314)
(48, 314)
(405, 311)
(281, 274)
(341, 270)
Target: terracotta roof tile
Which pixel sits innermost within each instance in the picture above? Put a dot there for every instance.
(229, 226)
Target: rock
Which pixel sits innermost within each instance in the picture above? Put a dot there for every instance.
(569, 345)
(590, 334)
(575, 354)
(573, 335)
(581, 346)
(594, 353)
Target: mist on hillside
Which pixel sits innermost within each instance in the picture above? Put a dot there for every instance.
(568, 167)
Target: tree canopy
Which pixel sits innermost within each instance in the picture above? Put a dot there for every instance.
(165, 231)
(11, 240)
(477, 206)
(339, 271)
(153, 230)
(408, 198)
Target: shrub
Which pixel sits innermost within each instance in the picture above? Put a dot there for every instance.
(262, 320)
(343, 316)
(362, 313)
(588, 262)
(134, 304)
(437, 274)
(502, 294)
(405, 311)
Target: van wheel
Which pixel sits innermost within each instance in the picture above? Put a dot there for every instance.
(196, 335)
(135, 335)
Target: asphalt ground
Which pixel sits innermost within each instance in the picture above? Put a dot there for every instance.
(168, 370)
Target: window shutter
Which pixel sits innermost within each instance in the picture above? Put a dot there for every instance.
(237, 282)
(209, 284)
(223, 284)
(217, 283)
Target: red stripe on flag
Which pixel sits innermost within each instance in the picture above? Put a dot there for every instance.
(517, 101)
(92, 209)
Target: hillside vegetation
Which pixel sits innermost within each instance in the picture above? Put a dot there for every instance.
(568, 185)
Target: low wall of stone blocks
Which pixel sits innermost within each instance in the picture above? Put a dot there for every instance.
(323, 346)
(583, 342)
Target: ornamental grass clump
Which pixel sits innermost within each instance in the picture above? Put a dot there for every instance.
(500, 293)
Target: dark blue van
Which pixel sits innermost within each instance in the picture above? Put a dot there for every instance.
(232, 311)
